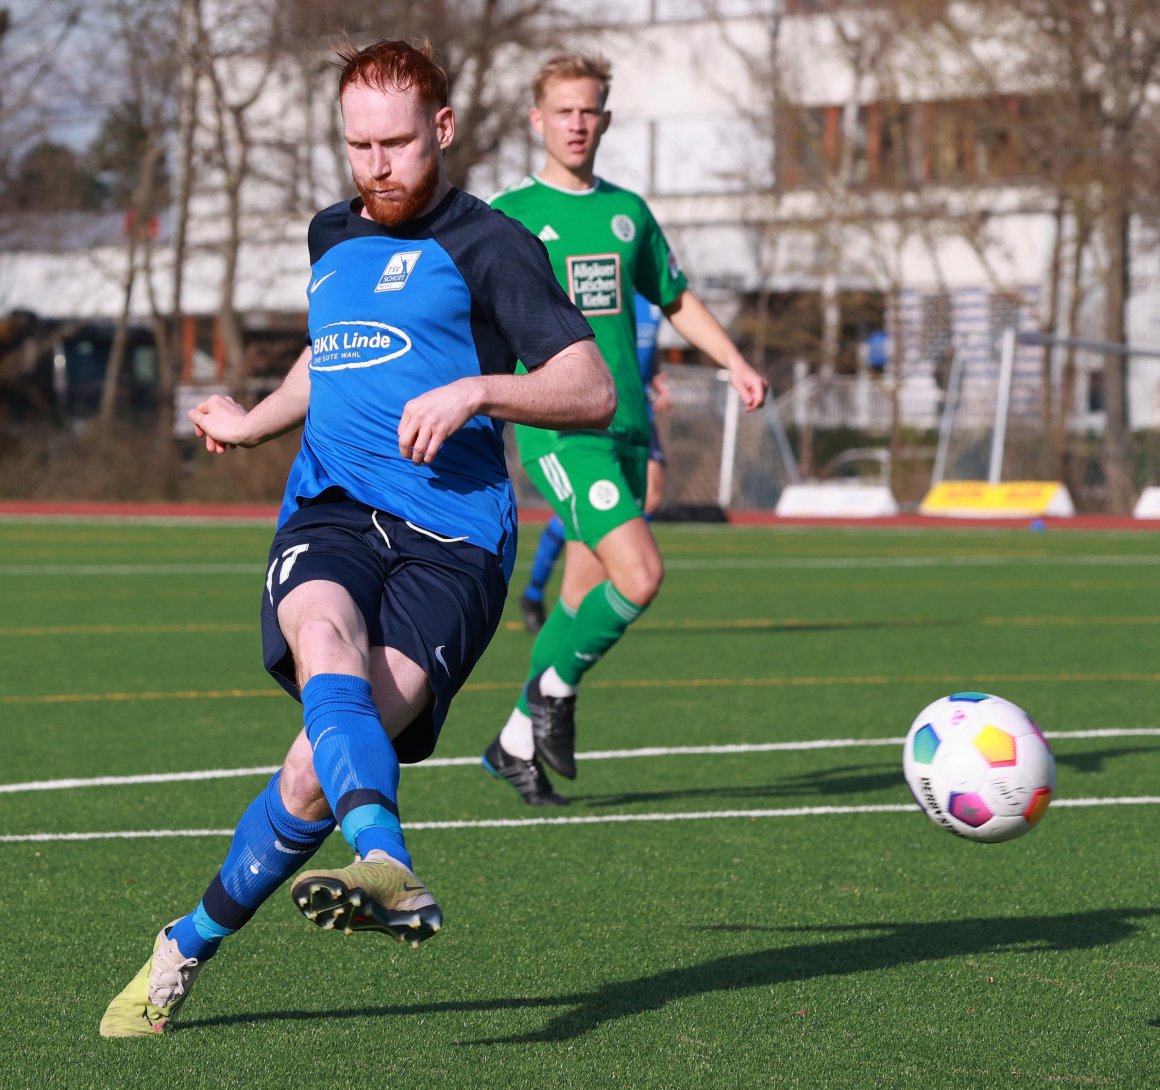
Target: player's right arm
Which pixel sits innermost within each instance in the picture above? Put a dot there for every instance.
(224, 424)
(571, 390)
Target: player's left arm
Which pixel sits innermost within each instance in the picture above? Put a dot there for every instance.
(695, 322)
(571, 390)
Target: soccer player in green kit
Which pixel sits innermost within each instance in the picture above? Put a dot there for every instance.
(603, 243)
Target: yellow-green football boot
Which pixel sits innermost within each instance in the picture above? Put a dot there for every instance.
(377, 893)
(153, 997)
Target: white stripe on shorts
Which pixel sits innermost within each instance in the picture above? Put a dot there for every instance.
(557, 478)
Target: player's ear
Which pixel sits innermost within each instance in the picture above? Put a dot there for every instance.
(536, 120)
(605, 121)
(445, 126)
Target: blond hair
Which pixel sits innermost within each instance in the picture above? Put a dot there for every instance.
(572, 66)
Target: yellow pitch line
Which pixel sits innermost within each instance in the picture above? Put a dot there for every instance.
(740, 624)
(123, 629)
(952, 680)
(99, 698)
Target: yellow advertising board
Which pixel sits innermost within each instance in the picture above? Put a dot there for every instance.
(1008, 499)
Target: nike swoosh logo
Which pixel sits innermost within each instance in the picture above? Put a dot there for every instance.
(316, 284)
(289, 851)
(441, 660)
(411, 889)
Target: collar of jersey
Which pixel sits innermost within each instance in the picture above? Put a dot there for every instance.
(569, 192)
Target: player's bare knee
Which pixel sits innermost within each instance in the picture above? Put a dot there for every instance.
(322, 647)
(640, 585)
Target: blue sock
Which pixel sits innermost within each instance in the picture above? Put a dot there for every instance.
(355, 762)
(547, 553)
(269, 845)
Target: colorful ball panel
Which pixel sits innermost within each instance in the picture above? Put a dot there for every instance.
(1037, 807)
(925, 744)
(970, 809)
(996, 745)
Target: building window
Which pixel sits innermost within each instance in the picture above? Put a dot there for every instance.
(809, 145)
(945, 142)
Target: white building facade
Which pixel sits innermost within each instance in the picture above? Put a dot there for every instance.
(698, 130)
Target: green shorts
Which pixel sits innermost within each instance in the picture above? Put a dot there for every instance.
(592, 484)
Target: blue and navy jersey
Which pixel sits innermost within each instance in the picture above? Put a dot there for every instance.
(395, 312)
(648, 328)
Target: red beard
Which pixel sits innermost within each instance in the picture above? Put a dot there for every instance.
(401, 204)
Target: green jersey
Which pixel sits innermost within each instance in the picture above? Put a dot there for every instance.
(604, 244)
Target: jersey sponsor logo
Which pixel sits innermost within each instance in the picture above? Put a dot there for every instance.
(398, 270)
(345, 346)
(594, 283)
(623, 228)
(548, 234)
(316, 284)
(604, 495)
(674, 265)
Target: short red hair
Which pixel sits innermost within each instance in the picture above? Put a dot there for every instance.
(394, 66)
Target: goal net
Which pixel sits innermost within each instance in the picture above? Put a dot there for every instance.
(1002, 403)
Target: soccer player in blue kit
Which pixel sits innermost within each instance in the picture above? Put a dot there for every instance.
(390, 563)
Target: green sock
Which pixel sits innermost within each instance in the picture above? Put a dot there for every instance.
(547, 646)
(601, 620)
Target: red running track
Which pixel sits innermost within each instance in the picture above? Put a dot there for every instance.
(48, 509)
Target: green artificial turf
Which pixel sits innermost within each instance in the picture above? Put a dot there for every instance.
(715, 919)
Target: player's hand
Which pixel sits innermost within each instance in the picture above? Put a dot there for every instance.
(662, 396)
(750, 384)
(430, 418)
(220, 420)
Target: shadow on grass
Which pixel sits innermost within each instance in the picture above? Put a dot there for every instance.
(871, 946)
(848, 780)
(771, 627)
(1094, 761)
(845, 780)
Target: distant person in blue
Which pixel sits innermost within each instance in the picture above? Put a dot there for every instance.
(389, 567)
(551, 542)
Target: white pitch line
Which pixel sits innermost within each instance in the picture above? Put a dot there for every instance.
(594, 819)
(130, 569)
(769, 563)
(149, 777)
(591, 755)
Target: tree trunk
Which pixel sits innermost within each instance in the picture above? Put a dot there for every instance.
(108, 410)
(1117, 440)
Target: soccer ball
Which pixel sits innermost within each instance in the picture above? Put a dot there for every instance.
(979, 766)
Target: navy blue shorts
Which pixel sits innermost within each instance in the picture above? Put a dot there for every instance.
(437, 601)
